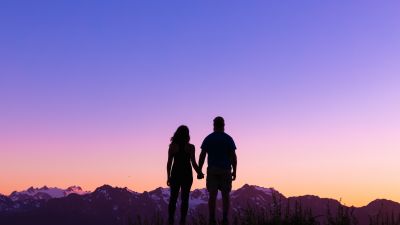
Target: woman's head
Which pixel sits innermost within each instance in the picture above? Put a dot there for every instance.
(181, 135)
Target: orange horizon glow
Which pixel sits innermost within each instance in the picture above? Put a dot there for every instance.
(91, 92)
(325, 173)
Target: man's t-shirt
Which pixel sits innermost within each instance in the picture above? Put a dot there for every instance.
(219, 146)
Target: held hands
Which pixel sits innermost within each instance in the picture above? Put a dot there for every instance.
(200, 175)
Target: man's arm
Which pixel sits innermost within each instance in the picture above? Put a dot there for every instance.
(202, 158)
(234, 164)
(193, 160)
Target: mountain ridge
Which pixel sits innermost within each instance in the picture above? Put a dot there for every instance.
(75, 189)
(116, 205)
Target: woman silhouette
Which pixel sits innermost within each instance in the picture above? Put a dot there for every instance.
(181, 158)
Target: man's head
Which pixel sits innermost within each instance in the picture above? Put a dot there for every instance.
(219, 124)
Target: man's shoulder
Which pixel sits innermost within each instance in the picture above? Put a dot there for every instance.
(228, 136)
(209, 136)
(230, 141)
(206, 141)
(218, 135)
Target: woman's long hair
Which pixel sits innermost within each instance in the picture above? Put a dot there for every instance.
(181, 135)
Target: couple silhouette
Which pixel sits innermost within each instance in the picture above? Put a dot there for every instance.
(221, 171)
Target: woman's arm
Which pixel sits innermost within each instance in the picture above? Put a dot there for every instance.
(193, 160)
(169, 165)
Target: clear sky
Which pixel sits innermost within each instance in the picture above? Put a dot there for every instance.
(91, 92)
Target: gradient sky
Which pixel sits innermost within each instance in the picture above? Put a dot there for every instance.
(91, 91)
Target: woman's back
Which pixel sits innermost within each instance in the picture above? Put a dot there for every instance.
(181, 168)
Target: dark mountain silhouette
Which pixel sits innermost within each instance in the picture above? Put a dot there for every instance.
(379, 207)
(114, 205)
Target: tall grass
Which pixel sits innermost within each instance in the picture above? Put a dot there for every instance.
(384, 219)
(283, 213)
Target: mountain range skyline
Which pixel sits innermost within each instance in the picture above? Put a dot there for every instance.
(46, 192)
(114, 205)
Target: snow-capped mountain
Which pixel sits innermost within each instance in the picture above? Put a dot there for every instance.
(113, 205)
(255, 194)
(46, 193)
(160, 194)
(75, 190)
(5, 202)
(198, 197)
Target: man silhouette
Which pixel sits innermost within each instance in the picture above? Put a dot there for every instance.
(221, 170)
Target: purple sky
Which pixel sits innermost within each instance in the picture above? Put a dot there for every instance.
(90, 92)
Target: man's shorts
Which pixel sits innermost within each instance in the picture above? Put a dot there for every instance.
(219, 180)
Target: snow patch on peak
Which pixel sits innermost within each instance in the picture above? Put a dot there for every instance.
(160, 194)
(46, 193)
(75, 190)
(165, 191)
(38, 192)
(198, 197)
(3, 197)
(267, 191)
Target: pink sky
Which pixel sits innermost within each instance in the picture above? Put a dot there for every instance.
(90, 93)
